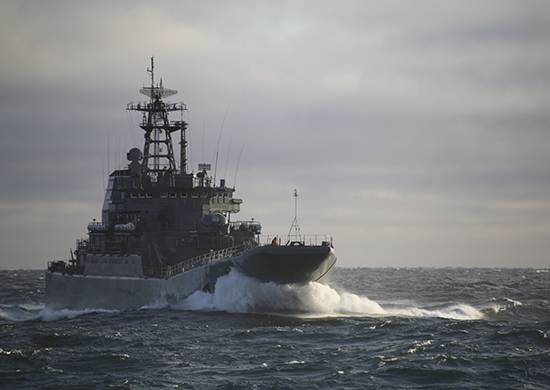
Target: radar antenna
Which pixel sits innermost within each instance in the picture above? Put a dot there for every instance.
(295, 226)
(158, 152)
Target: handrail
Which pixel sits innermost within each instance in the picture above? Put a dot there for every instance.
(308, 239)
(168, 271)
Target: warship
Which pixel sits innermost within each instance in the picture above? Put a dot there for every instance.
(166, 232)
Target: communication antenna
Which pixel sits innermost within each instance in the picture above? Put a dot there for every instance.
(237, 167)
(103, 174)
(227, 154)
(295, 226)
(152, 71)
(108, 155)
(218, 146)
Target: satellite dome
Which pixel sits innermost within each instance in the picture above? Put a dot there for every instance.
(134, 155)
(215, 219)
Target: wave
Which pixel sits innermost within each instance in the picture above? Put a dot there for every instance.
(511, 309)
(503, 305)
(24, 312)
(238, 293)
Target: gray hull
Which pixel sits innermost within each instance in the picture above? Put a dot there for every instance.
(286, 264)
(64, 291)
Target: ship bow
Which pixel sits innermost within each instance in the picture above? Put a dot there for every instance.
(286, 264)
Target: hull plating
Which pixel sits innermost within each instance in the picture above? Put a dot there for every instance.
(286, 264)
(64, 291)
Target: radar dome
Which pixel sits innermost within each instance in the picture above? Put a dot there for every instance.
(134, 155)
(214, 219)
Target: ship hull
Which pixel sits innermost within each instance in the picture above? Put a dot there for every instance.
(287, 264)
(283, 265)
(65, 291)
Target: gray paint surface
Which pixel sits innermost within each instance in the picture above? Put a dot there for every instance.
(124, 293)
(113, 265)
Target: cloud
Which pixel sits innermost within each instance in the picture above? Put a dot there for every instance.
(417, 132)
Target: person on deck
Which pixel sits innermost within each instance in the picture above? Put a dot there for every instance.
(275, 241)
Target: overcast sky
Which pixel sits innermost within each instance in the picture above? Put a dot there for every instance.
(417, 132)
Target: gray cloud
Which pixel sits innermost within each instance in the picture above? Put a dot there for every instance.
(418, 133)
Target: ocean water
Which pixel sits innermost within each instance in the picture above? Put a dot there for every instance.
(368, 328)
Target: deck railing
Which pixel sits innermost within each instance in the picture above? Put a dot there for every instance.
(168, 271)
(307, 239)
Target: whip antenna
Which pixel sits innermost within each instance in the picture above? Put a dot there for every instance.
(218, 146)
(237, 167)
(295, 226)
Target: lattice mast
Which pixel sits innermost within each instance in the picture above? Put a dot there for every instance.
(158, 151)
(295, 226)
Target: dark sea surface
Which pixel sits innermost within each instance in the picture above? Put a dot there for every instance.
(370, 328)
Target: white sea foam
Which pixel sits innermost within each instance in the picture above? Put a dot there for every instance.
(21, 313)
(160, 303)
(503, 304)
(240, 294)
(419, 345)
(296, 362)
(54, 315)
(513, 302)
(455, 311)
